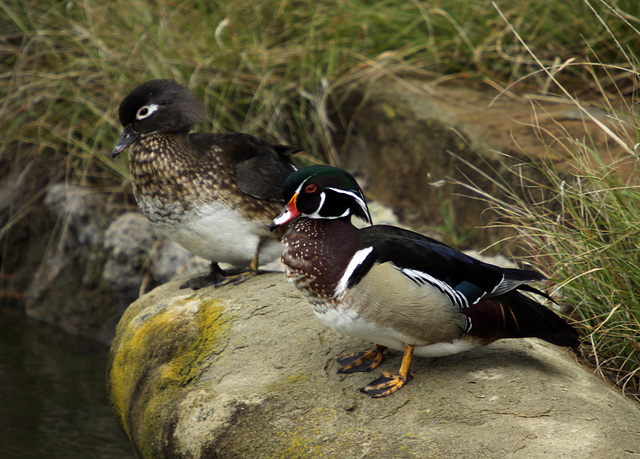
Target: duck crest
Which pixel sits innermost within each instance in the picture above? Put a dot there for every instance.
(316, 255)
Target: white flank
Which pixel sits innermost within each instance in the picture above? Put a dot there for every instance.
(357, 259)
(348, 322)
(443, 349)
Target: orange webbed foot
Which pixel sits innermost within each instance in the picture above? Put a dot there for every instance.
(362, 361)
(388, 383)
(385, 385)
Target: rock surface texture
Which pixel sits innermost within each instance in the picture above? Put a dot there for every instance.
(248, 371)
(67, 289)
(95, 264)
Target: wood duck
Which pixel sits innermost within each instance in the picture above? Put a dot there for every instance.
(214, 194)
(396, 288)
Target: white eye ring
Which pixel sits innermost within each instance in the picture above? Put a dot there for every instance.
(146, 111)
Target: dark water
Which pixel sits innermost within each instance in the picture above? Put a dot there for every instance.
(53, 401)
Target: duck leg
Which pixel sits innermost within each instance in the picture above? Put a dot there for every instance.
(387, 384)
(216, 277)
(362, 361)
(241, 275)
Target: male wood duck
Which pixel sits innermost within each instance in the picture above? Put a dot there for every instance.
(396, 288)
(214, 194)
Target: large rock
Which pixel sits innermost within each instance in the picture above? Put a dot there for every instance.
(96, 264)
(248, 371)
(139, 259)
(67, 289)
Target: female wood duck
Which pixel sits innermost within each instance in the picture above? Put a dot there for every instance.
(397, 288)
(214, 194)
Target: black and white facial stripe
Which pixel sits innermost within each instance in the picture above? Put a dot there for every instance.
(327, 205)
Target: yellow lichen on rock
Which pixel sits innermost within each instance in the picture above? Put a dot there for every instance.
(160, 347)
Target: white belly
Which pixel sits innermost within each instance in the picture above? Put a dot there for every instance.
(347, 322)
(217, 233)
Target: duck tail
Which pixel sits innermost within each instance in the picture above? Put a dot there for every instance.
(514, 315)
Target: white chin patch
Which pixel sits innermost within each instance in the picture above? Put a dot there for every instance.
(283, 218)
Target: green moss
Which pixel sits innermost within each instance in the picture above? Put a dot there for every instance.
(300, 377)
(211, 325)
(154, 357)
(307, 439)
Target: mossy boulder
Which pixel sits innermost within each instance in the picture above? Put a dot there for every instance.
(148, 391)
(248, 371)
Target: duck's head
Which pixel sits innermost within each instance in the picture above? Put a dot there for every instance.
(322, 192)
(157, 106)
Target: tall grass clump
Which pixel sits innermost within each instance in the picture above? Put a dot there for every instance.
(268, 68)
(581, 223)
(585, 236)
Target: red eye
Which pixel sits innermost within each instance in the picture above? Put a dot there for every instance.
(310, 188)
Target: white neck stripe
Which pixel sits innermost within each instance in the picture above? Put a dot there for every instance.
(358, 258)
